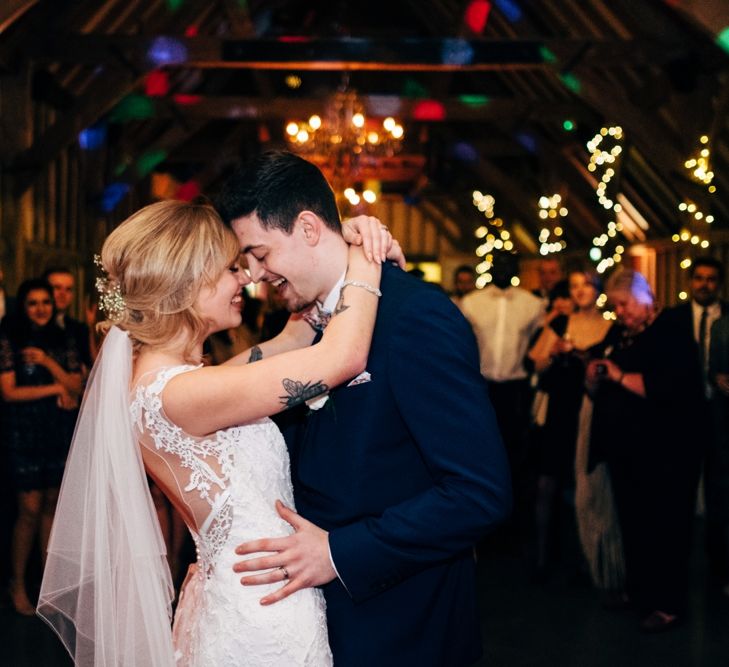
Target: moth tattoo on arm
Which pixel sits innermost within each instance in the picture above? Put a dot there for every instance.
(300, 392)
(256, 354)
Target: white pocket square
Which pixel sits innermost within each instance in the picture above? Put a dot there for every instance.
(363, 377)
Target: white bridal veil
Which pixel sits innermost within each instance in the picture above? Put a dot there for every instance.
(106, 588)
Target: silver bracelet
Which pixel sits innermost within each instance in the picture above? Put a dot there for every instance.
(364, 286)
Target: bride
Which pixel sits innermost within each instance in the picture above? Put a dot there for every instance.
(202, 434)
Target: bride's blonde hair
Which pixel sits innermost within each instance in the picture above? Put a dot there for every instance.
(160, 258)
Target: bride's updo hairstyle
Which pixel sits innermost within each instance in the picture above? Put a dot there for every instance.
(159, 259)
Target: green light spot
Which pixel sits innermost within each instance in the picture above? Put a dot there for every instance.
(722, 39)
(548, 56)
(414, 89)
(174, 5)
(132, 107)
(474, 100)
(149, 160)
(120, 169)
(571, 81)
(568, 125)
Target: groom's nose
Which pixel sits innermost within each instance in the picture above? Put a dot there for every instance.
(255, 270)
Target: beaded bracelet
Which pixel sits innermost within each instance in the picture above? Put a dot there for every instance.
(364, 286)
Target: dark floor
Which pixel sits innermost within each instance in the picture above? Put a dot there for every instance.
(557, 624)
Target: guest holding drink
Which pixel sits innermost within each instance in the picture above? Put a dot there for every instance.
(40, 381)
(560, 355)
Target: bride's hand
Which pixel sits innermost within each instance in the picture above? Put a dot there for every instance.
(375, 239)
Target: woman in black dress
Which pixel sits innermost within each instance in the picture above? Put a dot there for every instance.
(40, 381)
(560, 355)
(645, 397)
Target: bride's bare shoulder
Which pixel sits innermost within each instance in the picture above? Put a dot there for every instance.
(148, 361)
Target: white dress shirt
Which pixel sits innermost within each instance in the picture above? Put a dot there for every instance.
(330, 303)
(504, 320)
(713, 313)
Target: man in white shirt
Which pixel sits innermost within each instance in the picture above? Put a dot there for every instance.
(504, 319)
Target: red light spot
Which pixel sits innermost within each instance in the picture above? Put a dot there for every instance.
(477, 14)
(293, 39)
(187, 100)
(157, 84)
(191, 31)
(188, 191)
(429, 110)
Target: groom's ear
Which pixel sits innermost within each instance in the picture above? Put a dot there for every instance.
(310, 227)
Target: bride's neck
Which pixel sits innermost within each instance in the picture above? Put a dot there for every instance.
(177, 351)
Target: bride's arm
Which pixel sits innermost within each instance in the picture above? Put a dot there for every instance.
(216, 397)
(377, 243)
(296, 334)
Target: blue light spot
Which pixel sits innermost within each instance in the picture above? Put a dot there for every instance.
(167, 51)
(112, 195)
(465, 152)
(92, 137)
(509, 9)
(527, 141)
(456, 52)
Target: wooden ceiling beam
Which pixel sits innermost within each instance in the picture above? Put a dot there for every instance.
(12, 10)
(465, 109)
(416, 54)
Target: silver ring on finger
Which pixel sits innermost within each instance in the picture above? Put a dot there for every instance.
(284, 571)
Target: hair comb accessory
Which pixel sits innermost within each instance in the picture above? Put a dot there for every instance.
(111, 300)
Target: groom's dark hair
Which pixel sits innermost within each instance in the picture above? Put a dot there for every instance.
(277, 186)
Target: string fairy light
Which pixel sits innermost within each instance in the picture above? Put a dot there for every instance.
(693, 234)
(551, 209)
(605, 155)
(491, 237)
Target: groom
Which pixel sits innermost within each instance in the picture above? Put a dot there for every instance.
(403, 470)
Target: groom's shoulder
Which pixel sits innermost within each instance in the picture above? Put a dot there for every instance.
(404, 294)
(399, 285)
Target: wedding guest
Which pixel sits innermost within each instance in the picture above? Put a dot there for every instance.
(718, 465)
(645, 398)
(504, 318)
(464, 282)
(695, 318)
(550, 273)
(560, 355)
(40, 380)
(63, 282)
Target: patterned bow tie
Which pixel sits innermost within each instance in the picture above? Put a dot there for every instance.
(318, 318)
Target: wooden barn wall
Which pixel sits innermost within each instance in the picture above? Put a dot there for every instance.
(57, 221)
(660, 261)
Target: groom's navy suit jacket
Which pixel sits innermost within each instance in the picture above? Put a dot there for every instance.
(406, 472)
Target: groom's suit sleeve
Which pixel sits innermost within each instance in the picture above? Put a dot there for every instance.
(433, 371)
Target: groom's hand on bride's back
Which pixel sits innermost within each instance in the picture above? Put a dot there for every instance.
(298, 561)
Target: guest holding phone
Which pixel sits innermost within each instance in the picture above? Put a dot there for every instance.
(642, 428)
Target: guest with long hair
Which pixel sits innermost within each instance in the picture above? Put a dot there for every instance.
(40, 381)
(560, 355)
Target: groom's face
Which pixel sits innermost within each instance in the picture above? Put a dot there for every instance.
(280, 259)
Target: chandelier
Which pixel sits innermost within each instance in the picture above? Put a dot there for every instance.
(345, 137)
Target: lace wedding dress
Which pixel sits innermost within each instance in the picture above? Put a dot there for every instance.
(226, 486)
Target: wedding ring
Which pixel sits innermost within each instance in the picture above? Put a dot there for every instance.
(284, 571)
(384, 228)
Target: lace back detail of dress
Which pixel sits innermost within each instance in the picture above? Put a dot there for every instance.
(195, 470)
